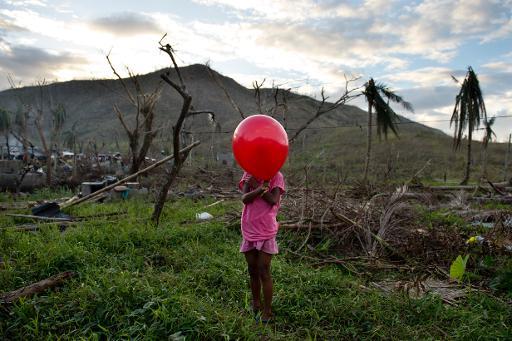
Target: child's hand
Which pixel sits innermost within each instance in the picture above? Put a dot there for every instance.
(253, 182)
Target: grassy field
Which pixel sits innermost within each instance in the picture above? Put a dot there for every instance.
(186, 280)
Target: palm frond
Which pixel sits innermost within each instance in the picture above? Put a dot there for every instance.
(386, 117)
(469, 108)
(391, 95)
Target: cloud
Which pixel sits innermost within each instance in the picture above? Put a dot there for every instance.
(25, 3)
(431, 28)
(127, 24)
(30, 63)
(6, 27)
(428, 76)
(430, 97)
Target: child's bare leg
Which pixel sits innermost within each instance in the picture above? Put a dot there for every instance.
(264, 260)
(252, 265)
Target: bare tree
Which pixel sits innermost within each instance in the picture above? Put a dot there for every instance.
(59, 116)
(235, 106)
(257, 93)
(324, 107)
(187, 110)
(21, 118)
(280, 107)
(5, 127)
(70, 141)
(141, 133)
(40, 130)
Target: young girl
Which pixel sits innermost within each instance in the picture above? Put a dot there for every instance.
(259, 228)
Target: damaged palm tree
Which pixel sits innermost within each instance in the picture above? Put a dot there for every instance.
(141, 133)
(386, 116)
(469, 110)
(187, 110)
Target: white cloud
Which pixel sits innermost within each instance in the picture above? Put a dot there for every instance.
(25, 3)
(127, 24)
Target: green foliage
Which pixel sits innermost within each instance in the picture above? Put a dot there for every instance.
(502, 281)
(440, 218)
(458, 268)
(187, 279)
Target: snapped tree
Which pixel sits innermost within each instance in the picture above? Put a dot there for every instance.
(187, 110)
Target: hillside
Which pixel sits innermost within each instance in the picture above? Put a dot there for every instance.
(90, 102)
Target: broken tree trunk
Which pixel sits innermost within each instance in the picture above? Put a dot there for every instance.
(36, 288)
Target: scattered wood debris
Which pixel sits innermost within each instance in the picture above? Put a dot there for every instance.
(36, 288)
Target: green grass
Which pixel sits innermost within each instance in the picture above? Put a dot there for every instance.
(440, 218)
(188, 279)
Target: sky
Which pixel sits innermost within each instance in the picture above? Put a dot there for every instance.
(412, 46)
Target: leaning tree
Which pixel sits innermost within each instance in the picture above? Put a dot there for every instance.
(469, 110)
(386, 116)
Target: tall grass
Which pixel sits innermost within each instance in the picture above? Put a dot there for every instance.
(187, 279)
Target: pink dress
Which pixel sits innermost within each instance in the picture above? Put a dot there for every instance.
(259, 224)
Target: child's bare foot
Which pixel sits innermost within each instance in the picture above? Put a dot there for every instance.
(256, 307)
(266, 316)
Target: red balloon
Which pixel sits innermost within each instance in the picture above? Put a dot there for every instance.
(260, 146)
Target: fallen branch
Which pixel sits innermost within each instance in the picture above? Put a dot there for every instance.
(464, 187)
(36, 288)
(35, 217)
(496, 189)
(498, 200)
